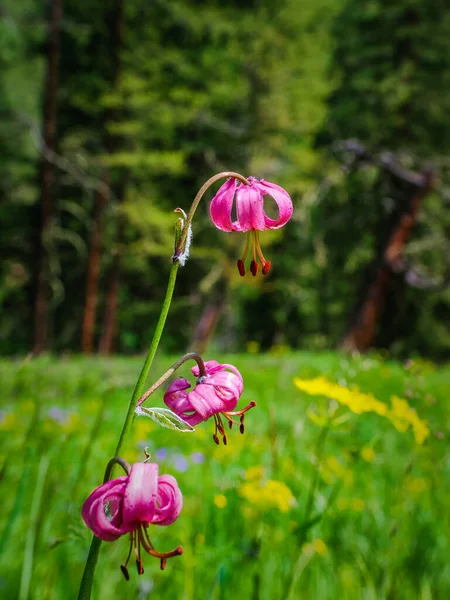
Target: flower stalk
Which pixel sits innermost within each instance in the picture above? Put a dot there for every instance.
(201, 192)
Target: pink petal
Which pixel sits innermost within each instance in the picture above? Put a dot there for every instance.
(177, 399)
(94, 515)
(169, 501)
(205, 401)
(249, 209)
(139, 501)
(221, 205)
(283, 201)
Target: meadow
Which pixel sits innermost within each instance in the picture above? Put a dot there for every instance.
(333, 491)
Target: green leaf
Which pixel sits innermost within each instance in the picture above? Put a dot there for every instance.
(164, 417)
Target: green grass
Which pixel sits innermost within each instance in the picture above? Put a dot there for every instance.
(385, 527)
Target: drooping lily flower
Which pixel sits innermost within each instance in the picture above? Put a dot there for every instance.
(251, 216)
(129, 504)
(216, 393)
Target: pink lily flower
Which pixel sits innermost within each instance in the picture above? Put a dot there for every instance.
(251, 216)
(215, 394)
(129, 504)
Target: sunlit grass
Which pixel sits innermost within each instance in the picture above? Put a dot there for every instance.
(384, 533)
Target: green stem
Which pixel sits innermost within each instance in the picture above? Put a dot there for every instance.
(89, 569)
(91, 562)
(190, 356)
(149, 358)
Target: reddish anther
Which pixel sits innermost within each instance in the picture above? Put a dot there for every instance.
(241, 267)
(266, 267)
(254, 266)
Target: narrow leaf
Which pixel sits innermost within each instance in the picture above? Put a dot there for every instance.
(164, 417)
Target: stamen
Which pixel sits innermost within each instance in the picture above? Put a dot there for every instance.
(240, 262)
(140, 567)
(266, 264)
(224, 439)
(254, 266)
(148, 547)
(123, 568)
(238, 413)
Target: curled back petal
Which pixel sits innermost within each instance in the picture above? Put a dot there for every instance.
(221, 206)
(284, 203)
(169, 501)
(102, 511)
(177, 399)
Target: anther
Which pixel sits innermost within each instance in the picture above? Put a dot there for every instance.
(125, 572)
(266, 267)
(163, 563)
(140, 566)
(224, 440)
(230, 423)
(241, 428)
(254, 266)
(241, 267)
(216, 439)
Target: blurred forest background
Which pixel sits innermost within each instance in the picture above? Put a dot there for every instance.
(112, 114)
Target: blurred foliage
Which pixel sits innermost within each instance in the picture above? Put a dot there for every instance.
(257, 87)
(381, 497)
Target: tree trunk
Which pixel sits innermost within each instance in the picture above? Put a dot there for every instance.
(362, 331)
(115, 19)
(107, 339)
(42, 290)
(93, 274)
(106, 345)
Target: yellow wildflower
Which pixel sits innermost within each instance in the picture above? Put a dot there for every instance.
(320, 547)
(271, 494)
(368, 454)
(401, 415)
(354, 399)
(8, 422)
(358, 504)
(220, 501)
(417, 485)
(254, 473)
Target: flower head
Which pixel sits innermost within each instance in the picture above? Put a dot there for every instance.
(251, 216)
(129, 504)
(216, 393)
